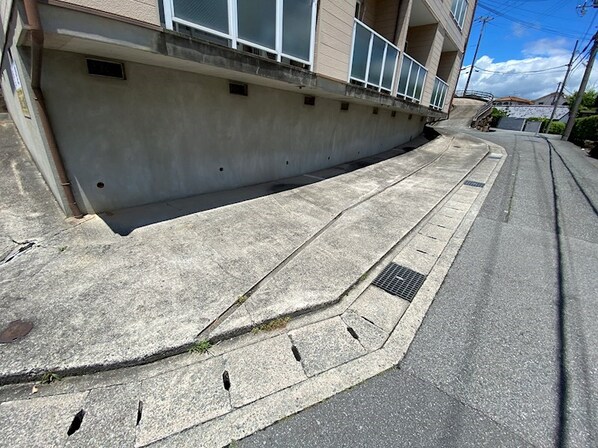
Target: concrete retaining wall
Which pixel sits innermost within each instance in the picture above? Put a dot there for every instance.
(164, 134)
(511, 124)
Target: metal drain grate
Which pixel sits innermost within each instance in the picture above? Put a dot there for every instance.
(399, 281)
(473, 183)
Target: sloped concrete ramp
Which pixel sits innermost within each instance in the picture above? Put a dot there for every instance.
(98, 300)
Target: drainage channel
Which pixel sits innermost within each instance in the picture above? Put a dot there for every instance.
(204, 334)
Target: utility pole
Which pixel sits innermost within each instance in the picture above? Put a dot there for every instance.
(581, 91)
(484, 20)
(560, 92)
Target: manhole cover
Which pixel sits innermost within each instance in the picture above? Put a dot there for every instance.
(399, 281)
(472, 183)
(16, 330)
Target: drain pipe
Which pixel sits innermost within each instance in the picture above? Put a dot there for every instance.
(37, 46)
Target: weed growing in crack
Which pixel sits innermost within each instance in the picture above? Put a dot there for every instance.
(275, 324)
(62, 248)
(242, 299)
(50, 377)
(201, 347)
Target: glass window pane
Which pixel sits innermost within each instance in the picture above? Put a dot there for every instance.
(420, 84)
(209, 13)
(454, 7)
(296, 28)
(389, 67)
(404, 75)
(360, 52)
(412, 80)
(376, 61)
(257, 22)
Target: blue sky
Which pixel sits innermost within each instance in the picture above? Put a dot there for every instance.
(534, 36)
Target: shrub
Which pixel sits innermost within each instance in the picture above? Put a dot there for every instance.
(585, 129)
(496, 115)
(556, 127)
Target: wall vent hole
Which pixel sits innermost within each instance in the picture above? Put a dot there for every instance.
(139, 411)
(237, 88)
(375, 111)
(76, 423)
(353, 333)
(344, 106)
(226, 380)
(100, 185)
(106, 69)
(410, 116)
(221, 169)
(287, 162)
(296, 353)
(393, 113)
(309, 100)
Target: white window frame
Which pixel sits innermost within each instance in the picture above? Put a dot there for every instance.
(420, 69)
(233, 33)
(365, 81)
(459, 11)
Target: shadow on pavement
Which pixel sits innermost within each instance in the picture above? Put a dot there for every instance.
(124, 221)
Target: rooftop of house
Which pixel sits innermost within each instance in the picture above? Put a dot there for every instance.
(514, 99)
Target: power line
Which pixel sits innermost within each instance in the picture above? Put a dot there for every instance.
(522, 73)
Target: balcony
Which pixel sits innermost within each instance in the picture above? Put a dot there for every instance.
(411, 79)
(283, 29)
(373, 59)
(438, 94)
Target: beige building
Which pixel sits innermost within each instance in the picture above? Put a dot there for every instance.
(126, 102)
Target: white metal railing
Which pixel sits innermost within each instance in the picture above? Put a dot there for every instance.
(411, 79)
(438, 94)
(373, 58)
(458, 10)
(285, 28)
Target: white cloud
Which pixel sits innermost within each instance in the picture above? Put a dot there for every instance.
(513, 78)
(519, 30)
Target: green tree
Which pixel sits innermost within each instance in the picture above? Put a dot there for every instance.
(588, 100)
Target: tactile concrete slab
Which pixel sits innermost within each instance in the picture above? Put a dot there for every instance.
(181, 399)
(261, 369)
(39, 422)
(325, 345)
(110, 418)
(371, 337)
(380, 307)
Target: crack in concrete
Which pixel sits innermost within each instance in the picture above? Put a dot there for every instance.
(22, 246)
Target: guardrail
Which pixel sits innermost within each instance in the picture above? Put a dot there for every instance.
(411, 79)
(373, 58)
(475, 94)
(438, 94)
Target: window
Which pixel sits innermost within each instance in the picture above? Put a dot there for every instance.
(458, 10)
(359, 9)
(282, 28)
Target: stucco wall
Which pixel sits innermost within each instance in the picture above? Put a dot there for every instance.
(141, 10)
(165, 134)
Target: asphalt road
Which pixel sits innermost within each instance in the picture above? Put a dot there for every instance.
(508, 353)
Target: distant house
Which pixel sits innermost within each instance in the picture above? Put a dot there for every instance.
(512, 101)
(551, 99)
